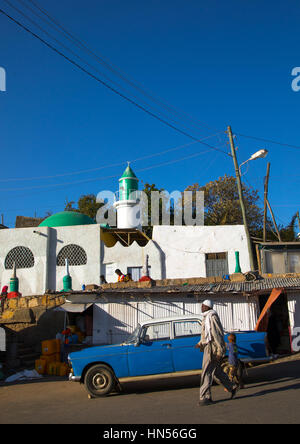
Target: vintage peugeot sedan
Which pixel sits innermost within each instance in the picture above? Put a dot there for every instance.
(156, 347)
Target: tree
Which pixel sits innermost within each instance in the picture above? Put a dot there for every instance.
(222, 206)
(148, 188)
(86, 204)
(287, 233)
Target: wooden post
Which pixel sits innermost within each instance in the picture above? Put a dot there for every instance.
(266, 184)
(274, 221)
(241, 198)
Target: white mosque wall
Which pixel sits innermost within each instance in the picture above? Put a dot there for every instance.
(45, 245)
(88, 238)
(32, 280)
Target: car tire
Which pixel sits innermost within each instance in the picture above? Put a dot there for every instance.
(99, 381)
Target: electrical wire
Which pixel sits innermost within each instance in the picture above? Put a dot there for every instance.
(269, 141)
(142, 108)
(161, 153)
(83, 60)
(107, 177)
(115, 70)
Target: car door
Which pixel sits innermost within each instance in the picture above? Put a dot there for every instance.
(154, 354)
(186, 335)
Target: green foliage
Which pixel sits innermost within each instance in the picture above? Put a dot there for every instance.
(222, 205)
(86, 205)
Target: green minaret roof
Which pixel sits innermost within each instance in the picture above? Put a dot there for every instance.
(128, 173)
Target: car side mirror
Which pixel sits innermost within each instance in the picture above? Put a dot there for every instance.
(137, 343)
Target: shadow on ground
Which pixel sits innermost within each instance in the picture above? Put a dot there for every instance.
(255, 377)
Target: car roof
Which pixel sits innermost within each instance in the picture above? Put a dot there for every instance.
(171, 318)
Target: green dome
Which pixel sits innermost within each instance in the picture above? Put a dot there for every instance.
(66, 219)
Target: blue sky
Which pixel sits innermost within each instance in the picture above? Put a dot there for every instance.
(223, 63)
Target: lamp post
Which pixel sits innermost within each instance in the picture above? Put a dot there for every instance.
(257, 155)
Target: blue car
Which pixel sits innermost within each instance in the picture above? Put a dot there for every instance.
(156, 347)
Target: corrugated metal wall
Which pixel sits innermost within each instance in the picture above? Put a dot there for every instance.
(293, 299)
(115, 319)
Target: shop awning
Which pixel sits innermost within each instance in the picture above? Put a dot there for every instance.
(73, 308)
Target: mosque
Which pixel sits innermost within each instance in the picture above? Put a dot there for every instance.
(92, 250)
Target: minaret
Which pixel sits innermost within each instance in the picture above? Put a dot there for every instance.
(127, 205)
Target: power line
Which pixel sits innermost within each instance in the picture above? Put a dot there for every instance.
(107, 177)
(165, 122)
(79, 57)
(269, 141)
(73, 173)
(115, 70)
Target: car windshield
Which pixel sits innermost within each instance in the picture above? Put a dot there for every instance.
(134, 336)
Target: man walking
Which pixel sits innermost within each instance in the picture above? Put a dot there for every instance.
(213, 345)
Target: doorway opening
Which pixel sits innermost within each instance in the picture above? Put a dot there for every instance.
(278, 329)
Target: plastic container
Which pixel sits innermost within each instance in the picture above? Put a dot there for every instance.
(62, 369)
(55, 357)
(40, 366)
(50, 347)
(57, 369)
(52, 368)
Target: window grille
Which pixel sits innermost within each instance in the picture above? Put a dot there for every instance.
(21, 256)
(74, 253)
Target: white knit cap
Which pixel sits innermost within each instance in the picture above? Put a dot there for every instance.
(208, 303)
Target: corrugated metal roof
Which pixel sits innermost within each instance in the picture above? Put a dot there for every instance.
(222, 287)
(217, 289)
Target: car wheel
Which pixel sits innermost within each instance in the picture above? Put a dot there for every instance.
(99, 380)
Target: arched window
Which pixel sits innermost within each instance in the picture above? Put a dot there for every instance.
(74, 253)
(21, 256)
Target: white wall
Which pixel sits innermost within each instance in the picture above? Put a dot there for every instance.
(179, 251)
(87, 237)
(174, 252)
(185, 248)
(32, 281)
(122, 257)
(45, 248)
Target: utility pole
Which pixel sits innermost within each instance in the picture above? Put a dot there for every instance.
(298, 217)
(266, 184)
(274, 221)
(241, 198)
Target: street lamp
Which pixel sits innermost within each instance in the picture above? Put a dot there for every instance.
(258, 154)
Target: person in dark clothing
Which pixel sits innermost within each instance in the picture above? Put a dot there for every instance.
(273, 334)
